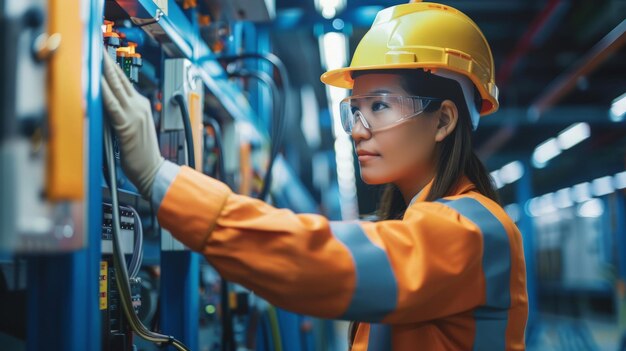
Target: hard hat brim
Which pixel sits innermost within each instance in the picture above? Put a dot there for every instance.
(342, 78)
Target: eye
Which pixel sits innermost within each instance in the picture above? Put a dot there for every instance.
(378, 106)
(354, 109)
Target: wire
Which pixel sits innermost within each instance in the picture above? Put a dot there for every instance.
(269, 57)
(277, 123)
(135, 261)
(284, 84)
(121, 271)
(263, 77)
(275, 328)
(276, 134)
(221, 168)
(228, 338)
(182, 104)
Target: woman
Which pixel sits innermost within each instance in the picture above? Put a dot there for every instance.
(444, 270)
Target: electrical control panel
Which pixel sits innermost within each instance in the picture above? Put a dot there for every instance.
(127, 223)
(183, 96)
(53, 179)
(116, 333)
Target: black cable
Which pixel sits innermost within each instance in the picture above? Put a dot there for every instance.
(269, 57)
(121, 271)
(184, 111)
(272, 59)
(277, 125)
(228, 337)
(221, 169)
(276, 134)
(263, 77)
(277, 63)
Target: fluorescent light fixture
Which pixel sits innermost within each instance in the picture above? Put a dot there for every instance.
(573, 135)
(593, 208)
(511, 172)
(329, 8)
(513, 211)
(346, 178)
(602, 186)
(496, 178)
(335, 95)
(334, 51)
(546, 151)
(581, 192)
(329, 12)
(546, 203)
(553, 147)
(620, 180)
(309, 123)
(542, 205)
(618, 109)
(334, 47)
(533, 207)
(563, 198)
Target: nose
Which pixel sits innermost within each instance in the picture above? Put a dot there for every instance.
(359, 131)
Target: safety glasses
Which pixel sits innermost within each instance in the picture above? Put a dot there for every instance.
(379, 111)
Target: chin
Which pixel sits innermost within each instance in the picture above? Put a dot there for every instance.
(375, 178)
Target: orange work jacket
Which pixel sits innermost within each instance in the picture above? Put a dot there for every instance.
(449, 276)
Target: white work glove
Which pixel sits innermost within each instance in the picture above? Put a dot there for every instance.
(131, 116)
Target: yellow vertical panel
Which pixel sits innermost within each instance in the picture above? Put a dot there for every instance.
(195, 116)
(104, 274)
(65, 169)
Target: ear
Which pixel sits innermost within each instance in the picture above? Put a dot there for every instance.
(447, 119)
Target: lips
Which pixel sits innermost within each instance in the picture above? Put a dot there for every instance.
(366, 153)
(365, 156)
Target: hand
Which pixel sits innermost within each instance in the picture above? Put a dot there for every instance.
(131, 116)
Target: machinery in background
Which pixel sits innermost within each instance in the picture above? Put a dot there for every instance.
(116, 332)
(181, 129)
(42, 139)
(203, 120)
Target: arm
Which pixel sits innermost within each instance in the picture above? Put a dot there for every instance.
(424, 267)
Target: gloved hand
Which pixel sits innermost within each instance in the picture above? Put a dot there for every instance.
(131, 116)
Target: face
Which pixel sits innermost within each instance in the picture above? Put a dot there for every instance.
(400, 153)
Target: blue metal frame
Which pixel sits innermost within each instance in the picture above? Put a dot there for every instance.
(180, 298)
(181, 32)
(62, 297)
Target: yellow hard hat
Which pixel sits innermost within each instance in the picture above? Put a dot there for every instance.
(429, 36)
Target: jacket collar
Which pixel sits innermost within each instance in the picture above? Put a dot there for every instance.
(463, 186)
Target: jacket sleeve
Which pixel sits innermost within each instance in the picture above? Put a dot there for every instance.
(426, 266)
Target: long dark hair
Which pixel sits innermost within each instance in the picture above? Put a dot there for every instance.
(455, 155)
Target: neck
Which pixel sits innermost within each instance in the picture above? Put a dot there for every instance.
(412, 186)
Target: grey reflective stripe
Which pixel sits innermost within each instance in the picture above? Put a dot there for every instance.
(162, 181)
(492, 318)
(375, 294)
(379, 338)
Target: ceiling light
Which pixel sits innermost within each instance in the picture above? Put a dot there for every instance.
(602, 186)
(545, 152)
(573, 135)
(618, 108)
(593, 208)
